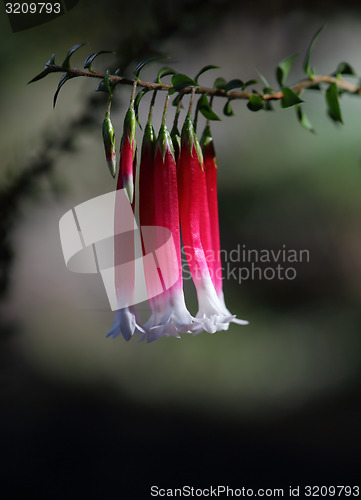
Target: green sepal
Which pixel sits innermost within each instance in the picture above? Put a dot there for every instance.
(145, 62)
(302, 118)
(206, 136)
(130, 127)
(165, 71)
(284, 68)
(188, 133)
(149, 138)
(164, 142)
(333, 104)
(220, 84)
(89, 60)
(255, 102)
(264, 80)
(47, 70)
(289, 98)
(180, 81)
(227, 110)
(306, 64)
(63, 79)
(205, 108)
(203, 70)
(176, 140)
(198, 150)
(66, 62)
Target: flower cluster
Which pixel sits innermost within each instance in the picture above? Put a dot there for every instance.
(177, 192)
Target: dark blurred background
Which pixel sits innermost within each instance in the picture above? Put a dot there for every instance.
(273, 404)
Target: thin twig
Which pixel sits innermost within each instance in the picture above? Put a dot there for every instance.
(231, 95)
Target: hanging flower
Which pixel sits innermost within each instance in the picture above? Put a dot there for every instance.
(170, 304)
(215, 264)
(196, 231)
(127, 154)
(126, 321)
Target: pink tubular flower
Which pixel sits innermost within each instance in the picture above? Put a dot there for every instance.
(196, 232)
(210, 167)
(127, 154)
(170, 304)
(125, 321)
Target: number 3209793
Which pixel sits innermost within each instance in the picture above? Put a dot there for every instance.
(32, 8)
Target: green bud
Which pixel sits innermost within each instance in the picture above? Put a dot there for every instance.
(109, 145)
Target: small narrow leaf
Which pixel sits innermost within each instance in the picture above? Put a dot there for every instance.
(306, 64)
(46, 71)
(344, 68)
(264, 80)
(89, 60)
(333, 104)
(63, 80)
(235, 84)
(180, 81)
(289, 98)
(250, 82)
(66, 62)
(206, 110)
(176, 100)
(302, 118)
(284, 68)
(220, 84)
(227, 110)
(203, 70)
(255, 103)
(41, 75)
(51, 61)
(137, 100)
(165, 71)
(145, 62)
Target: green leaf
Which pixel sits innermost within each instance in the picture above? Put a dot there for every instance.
(137, 100)
(90, 59)
(264, 80)
(66, 62)
(284, 68)
(205, 108)
(203, 70)
(344, 68)
(255, 102)
(220, 84)
(333, 104)
(176, 100)
(250, 82)
(302, 118)
(63, 80)
(306, 64)
(166, 70)
(227, 110)
(106, 85)
(289, 98)
(180, 81)
(46, 71)
(234, 84)
(145, 62)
